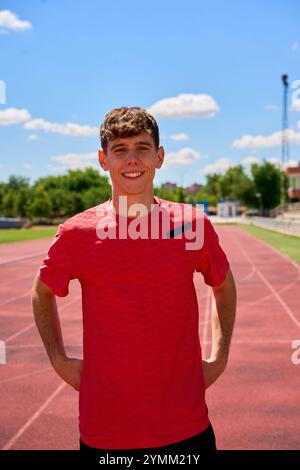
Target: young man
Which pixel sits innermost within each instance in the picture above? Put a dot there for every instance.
(142, 379)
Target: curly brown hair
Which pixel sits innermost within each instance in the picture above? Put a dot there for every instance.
(127, 122)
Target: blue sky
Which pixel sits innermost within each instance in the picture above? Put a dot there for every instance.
(210, 72)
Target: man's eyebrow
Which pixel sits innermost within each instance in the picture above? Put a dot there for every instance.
(140, 142)
(116, 145)
(144, 142)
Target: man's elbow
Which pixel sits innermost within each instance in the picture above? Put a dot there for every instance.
(40, 289)
(228, 285)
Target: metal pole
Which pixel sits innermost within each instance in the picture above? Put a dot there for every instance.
(285, 142)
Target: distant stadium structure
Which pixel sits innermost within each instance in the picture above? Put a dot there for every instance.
(227, 208)
(7, 222)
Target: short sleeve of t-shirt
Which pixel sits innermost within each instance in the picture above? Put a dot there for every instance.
(212, 262)
(56, 269)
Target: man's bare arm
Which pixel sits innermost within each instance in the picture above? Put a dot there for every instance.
(48, 324)
(222, 322)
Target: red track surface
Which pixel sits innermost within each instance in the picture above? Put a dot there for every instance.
(254, 405)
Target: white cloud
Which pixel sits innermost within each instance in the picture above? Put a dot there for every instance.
(27, 166)
(13, 116)
(265, 141)
(2, 92)
(184, 106)
(32, 137)
(272, 107)
(251, 159)
(275, 160)
(292, 163)
(296, 107)
(295, 46)
(219, 166)
(73, 161)
(9, 20)
(185, 156)
(54, 169)
(65, 129)
(179, 137)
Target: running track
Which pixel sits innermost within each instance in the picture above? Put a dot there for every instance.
(254, 405)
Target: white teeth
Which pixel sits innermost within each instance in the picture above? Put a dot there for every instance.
(132, 175)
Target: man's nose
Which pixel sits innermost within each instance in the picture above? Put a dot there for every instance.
(132, 158)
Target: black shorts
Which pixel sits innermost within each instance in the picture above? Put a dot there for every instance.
(203, 441)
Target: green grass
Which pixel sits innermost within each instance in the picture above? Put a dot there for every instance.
(18, 235)
(287, 244)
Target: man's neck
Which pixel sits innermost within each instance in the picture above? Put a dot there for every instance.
(125, 204)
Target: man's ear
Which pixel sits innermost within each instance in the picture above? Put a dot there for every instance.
(102, 160)
(160, 157)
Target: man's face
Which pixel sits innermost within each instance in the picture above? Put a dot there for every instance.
(132, 162)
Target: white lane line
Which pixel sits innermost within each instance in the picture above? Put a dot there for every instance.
(2, 352)
(260, 341)
(21, 279)
(22, 258)
(32, 324)
(269, 296)
(22, 376)
(17, 297)
(20, 332)
(275, 294)
(252, 268)
(33, 418)
(248, 276)
(283, 289)
(40, 346)
(271, 248)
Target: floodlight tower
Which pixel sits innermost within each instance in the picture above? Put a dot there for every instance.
(285, 137)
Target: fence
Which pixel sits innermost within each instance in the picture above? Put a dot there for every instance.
(287, 226)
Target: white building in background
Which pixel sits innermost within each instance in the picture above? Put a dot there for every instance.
(227, 208)
(293, 174)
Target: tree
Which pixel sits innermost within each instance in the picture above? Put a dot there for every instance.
(65, 202)
(94, 196)
(8, 203)
(81, 180)
(74, 203)
(22, 202)
(212, 185)
(267, 182)
(50, 182)
(59, 201)
(164, 192)
(40, 205)
(202, 195)
(2, 192)
(180, 196)
(236, 185)
(75, 191)
(17, 182)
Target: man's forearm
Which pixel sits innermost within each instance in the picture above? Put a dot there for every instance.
(48, 324)
(222, 320)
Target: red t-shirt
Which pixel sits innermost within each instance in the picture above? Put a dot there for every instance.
(142, 382)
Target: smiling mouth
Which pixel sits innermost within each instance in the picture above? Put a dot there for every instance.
(133, 175)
